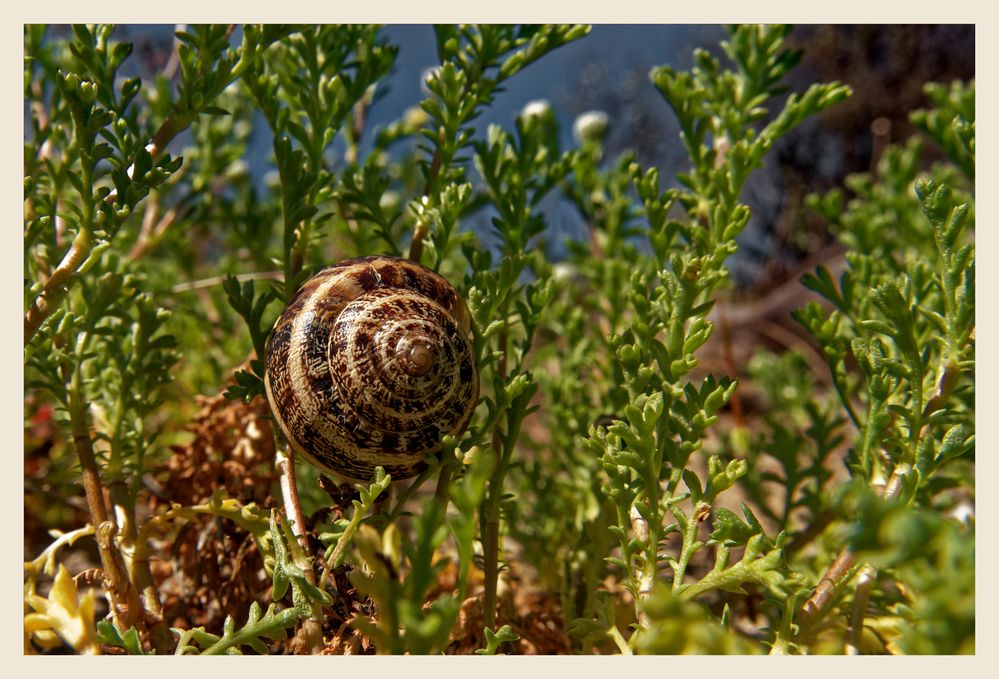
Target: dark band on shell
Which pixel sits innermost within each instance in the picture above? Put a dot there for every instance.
(369, 365)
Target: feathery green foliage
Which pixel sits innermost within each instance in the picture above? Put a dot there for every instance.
(603, 473)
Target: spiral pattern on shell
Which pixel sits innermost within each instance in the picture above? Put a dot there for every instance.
(370, 364)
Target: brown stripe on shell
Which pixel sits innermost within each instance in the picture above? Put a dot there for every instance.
(334, 375)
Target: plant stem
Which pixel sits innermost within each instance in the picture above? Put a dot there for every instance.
(58, 285)
(285, 464)
(865, 582)
(120, 592)
(354, 132)
(689, 539)
(310, 634)
(615, 634)
(139, 571)
(813, 609)
(841, 391)
(404, 496)
(309, 638)
(436, 163)
(644, 575)
(416, 246)
(490, 545)
(490, 532)
(442, 491)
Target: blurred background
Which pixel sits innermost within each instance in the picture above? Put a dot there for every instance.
(887, 67)
(607, 71)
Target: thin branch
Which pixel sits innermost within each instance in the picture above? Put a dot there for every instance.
(285, 464)
(58, 285)
(843, 567)
(139, 571)
(865, 582)
(416, 246)
(216, 281)
(124, 602)
(490, 540)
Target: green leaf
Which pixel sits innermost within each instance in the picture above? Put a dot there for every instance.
(109, 634)
(494, 639)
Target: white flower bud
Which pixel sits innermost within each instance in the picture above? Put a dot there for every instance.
(538, 108)
(564, 272)
(590, 126)
(237, 169)
(389, 201)
(963, 512)
(242, 128)
(414, 116)
(428, 74)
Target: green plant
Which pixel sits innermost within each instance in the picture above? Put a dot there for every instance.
(608, 496)
(907, 317)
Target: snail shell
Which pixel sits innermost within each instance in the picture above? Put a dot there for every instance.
(370, 364)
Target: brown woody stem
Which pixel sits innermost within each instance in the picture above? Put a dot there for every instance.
(285, 464)
(58, 285)
(124, 602)
(139, 571)
(843, 567)
(416, 246)
(860, 597)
